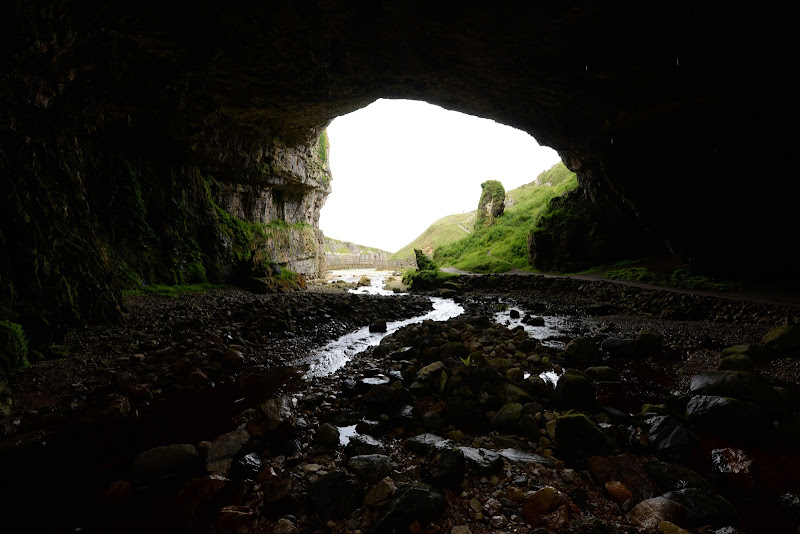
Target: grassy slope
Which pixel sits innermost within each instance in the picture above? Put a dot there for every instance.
(444, 231)
(504, 245)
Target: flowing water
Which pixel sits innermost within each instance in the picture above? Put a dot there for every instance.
(333, 356)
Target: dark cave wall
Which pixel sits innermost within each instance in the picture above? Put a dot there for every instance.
(674, 110)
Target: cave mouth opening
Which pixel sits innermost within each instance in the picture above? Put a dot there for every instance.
(399, 165)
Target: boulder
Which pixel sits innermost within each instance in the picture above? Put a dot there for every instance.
(669, 439)
(669, 477)
(735, 419)
(222, 451)
(581, 351)
(575, 391)
(781, 339)
(167, 462)
(360, 445)
(327, 435)
(626, 470)
(422, 444)
(547, 508)
(445, 467)
(507, 418)
(378, 326)
(649, 341)
(482, 461)
(416, 502)
(578, 438)
(704, 507)
(739, 385)
(371, 468)
(650, 513)
(736, 362)
(335, 495)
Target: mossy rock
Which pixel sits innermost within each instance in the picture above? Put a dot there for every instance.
(13, 348)
(582, 351)
(782, 339)
(424, 263)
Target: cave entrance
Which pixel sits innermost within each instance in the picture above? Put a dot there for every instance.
(400, 165)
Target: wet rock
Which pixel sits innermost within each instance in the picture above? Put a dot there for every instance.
(482, 461)
(422, 444)
(445, 467)
(327, 435)
(578, 438)
(648, 514)
(581, 351)
(168, 461)
(669, 477)
(602, 374)
(335, 495)
(626, 470)
(361, 445)
(738, 385)
(274, 416)
(371, 468)
(781, 339)
(509, 393)
(380, 493)
(704, 507)
(575, 391)
(649, 341)
(378, 326)
(412, 503)
(548, 508)
(245, 468)
(736, 362)
(523, 457)
(669, 439)
(732, 418)
(507, 418)
(223, 450)
(734, 469)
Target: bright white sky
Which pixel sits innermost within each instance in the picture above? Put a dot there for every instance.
(399, 165)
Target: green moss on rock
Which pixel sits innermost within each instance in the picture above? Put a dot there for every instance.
(13, 348)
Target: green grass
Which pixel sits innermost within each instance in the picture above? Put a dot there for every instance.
(504, 246)
(442, 232)
(682, 277)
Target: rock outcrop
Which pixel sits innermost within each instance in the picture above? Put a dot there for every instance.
(113, 116)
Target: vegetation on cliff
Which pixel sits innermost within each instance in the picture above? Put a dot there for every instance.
(13, 348)
(491, 204)
(504, 245)
(427, 274)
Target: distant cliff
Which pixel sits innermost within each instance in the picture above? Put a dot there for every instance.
(345, 255)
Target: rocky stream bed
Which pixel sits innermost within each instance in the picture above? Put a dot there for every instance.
(548, 405)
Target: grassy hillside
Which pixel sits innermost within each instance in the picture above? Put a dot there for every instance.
(504, 245)
(443, 232)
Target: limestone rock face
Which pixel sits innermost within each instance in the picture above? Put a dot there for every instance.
(112, 116)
